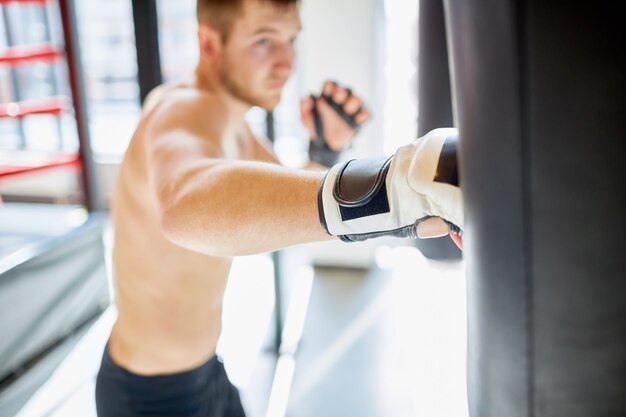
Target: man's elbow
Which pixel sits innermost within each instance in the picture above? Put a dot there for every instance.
(171, 225)
(202, 232)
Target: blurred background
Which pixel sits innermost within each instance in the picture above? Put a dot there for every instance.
(369, 329)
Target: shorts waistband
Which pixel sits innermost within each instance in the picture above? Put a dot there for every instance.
(199, 374)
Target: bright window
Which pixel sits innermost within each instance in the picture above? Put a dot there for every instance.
(400, 73)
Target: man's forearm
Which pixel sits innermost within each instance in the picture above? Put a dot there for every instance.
(239, 207)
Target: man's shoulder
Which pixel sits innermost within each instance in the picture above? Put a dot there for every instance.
(176, 104)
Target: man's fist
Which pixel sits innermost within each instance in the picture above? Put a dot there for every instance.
(366, 198)
(332, 119)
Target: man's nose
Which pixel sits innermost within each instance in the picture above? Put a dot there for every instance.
(285, 56)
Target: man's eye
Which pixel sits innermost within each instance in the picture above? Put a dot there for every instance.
(263, 42)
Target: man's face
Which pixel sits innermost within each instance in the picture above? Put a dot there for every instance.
(258, 56)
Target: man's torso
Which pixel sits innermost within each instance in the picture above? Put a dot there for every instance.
(169, 298)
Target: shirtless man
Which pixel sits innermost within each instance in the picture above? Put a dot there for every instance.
(196, 188)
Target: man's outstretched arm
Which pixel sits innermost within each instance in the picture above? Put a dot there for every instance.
(224, 207)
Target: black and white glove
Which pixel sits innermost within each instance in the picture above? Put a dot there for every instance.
(367, 198)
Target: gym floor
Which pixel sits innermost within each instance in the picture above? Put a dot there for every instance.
(387, 340)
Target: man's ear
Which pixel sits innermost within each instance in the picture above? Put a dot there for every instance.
(210, 42)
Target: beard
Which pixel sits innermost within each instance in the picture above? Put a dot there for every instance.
(242, 93)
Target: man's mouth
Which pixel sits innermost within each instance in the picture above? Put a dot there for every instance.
(277, 83)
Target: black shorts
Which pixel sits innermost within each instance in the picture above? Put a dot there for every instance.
(200, 392)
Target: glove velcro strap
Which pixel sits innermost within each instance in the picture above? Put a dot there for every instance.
(360, 188)
(319, 151)
(351, 192)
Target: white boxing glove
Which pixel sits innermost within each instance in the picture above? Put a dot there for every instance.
(366, 198)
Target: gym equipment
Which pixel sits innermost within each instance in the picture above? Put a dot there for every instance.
(539, 90)
(434, 100)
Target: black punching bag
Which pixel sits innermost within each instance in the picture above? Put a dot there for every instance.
(541, 103)
(434, 99)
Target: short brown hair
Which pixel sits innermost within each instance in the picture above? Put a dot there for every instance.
(221, 14)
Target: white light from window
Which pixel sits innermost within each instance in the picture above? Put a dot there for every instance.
(400, 109)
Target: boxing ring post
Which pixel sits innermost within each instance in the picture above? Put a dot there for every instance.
(146, 26)
(540, 100)
(79, 100)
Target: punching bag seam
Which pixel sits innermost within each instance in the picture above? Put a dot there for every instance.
(525, 144)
